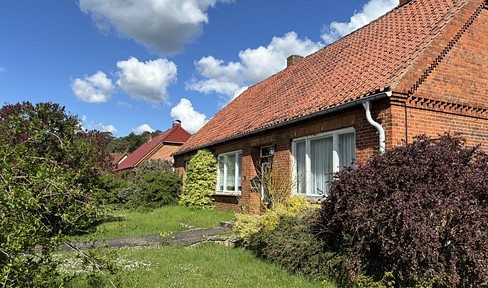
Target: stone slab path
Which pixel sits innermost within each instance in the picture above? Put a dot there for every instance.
(186, 238)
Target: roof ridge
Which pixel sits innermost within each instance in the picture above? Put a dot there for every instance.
(412, 59)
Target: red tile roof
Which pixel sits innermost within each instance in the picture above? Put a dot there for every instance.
(116, 157)
(372, 59)
(174, 135)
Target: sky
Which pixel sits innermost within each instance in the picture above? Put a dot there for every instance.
(138, 65)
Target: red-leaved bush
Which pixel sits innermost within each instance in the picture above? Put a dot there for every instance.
(417, 213)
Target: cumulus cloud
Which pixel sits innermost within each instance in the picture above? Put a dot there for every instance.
(146, 80)
(191, 120)
(93, 89)
(254, 66)
(163, 26)
(142, 128)
(97, 126)
(371, 11)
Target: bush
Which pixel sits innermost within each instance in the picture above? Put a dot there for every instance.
(49, 169)
(248, 225)
(154, 185)
(109, 189)
(293, 245)
(200, 181)
(417, 214)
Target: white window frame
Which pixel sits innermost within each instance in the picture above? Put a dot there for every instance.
(335, 156)
(237, 170)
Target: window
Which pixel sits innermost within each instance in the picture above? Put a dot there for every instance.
(315, 157)
(230, 172)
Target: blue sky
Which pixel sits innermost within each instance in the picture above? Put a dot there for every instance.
(135, 65)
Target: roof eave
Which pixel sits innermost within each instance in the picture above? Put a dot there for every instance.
(377, 96)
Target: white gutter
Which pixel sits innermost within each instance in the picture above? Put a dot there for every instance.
(381, 131)
(340, 107)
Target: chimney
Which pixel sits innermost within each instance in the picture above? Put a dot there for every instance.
(403, 2)
(177, 123)
(149, 137)
(292, 60)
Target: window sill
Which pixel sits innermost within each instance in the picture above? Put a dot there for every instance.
(223, 193)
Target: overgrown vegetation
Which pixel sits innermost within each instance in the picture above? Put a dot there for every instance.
(49, 168)
(417, 215)
(200, 181)
(155, 184)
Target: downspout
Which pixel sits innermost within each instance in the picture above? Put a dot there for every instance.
(381, 131)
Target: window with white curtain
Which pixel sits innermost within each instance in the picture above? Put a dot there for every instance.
(229, 173)
(316, 157)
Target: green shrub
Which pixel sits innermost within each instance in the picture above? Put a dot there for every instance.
(293, 244)
(414, 216)
(200, 181)
(109, 189)
(154, 185)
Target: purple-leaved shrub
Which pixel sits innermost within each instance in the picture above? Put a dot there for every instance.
(417, 214)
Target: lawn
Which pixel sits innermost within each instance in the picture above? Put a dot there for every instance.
(205, 265)
(119, 222)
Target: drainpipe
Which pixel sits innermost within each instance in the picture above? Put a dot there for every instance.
(381, 131)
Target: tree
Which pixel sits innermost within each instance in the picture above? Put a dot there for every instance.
(200, 181)
(49, 167)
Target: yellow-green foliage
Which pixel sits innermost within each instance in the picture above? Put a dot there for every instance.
(248, 225)
(200, 181)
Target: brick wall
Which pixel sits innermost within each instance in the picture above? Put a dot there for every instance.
(453, 95)
(166, 151)
(281, 139)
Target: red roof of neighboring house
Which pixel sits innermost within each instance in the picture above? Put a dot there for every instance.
(174, 135)
(394, 51)
(116, 157)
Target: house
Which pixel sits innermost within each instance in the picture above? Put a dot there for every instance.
(117, 158)
(420, 69)
(159, 147)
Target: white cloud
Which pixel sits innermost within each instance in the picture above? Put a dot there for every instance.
(142, 128)
(94, 89)
(254, 66)
(163, 26)
(100, 127)
(2, 69)
(191, 120)
(371, 11)
(146, 80)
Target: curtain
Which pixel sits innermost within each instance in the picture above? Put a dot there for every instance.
(231, 173)
(239, 172)
(347, 150)
(300, 173)
(321, 165)
(221, 173)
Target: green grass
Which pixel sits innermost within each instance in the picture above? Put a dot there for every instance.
(122, 222)
(206, 265)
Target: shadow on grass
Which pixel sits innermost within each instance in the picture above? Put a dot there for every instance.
(92, 229)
